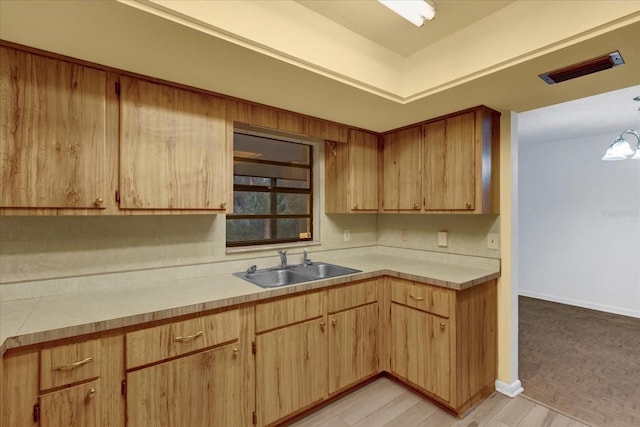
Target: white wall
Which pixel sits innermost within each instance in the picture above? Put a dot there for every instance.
(579, 225)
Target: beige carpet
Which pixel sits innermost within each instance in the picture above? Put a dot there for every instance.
(582, 362)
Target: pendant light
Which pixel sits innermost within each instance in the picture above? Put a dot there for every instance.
(621, 148)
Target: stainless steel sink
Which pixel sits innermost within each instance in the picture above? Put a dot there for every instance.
(274, 277)
(323, 270)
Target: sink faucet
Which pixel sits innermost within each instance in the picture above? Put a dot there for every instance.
(283, 259)
(305, 258)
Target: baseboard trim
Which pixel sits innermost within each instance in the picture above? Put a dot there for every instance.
(511, 390)
(578, 303)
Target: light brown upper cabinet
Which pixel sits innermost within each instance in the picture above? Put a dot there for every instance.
(53, 133)
(351, 174)
(401, 170)
(444, 165)
(174, 148)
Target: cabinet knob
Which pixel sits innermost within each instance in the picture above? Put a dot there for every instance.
(99, 202)
(92, 391)
(223, 205)
(416, 206)
(323, 324)
(442, 325)
(468, 205)
(355, 207)
(235, 351)
(334, 321)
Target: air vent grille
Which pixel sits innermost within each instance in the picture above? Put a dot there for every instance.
(590, 66)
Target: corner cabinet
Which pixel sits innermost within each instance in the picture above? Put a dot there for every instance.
(173, 146)
(351, 174)
(444, 165)
(53, 138)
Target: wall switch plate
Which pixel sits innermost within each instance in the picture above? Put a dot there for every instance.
(493, 241)
(443, 239)
(404, 234)
(347, 235)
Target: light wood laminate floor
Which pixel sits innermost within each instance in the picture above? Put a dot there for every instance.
(386, 403)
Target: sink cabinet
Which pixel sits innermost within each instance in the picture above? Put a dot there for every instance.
(291, 355)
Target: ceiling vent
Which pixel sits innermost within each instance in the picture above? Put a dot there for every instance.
(593, 65)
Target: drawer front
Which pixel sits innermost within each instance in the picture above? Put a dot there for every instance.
(354, 295)
(288, 310)
(173, 339)
(68, 364)
(423, 297)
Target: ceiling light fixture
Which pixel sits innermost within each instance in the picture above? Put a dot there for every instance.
(621, 148)
(414, 11)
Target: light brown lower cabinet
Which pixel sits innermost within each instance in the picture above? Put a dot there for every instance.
(203, 389)
(291, 369)
(444, 342)
(261, 363)
(420, 349)
(77, 406)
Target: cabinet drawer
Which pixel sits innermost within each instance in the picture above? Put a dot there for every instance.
(288, 310)
(163, 342)
(68, 364)
(354, 295)
(423, 297)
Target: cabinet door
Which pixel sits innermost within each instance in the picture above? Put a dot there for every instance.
(53, 133)
(77, 406)
(401, 188)
(173, 148)
(198, 390)
(448, 179)
(363, 171)
(420, 349)
(353, 346)
(291, 369)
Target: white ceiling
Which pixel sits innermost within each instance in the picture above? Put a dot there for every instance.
(379, 24)
(606, 114)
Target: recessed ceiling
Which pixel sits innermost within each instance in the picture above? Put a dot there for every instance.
(377, 23)
(605, 114)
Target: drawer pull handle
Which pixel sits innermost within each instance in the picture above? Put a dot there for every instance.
(73, 365)
(190, 337)
(92, 391)
(417, 298)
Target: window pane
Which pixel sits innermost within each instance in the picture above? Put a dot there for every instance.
(290, 228)
(251, 203)
(267, 149)
(292, 184)
(251, 180)
(266, 170)
(293, 204)
(241, 230)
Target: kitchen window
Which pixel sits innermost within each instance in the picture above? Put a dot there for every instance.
(272, 190)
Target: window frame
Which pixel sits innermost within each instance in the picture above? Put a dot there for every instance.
(274, 190)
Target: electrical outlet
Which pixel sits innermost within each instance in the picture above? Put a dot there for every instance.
(443, 239)
(347, 235)
(493, 241)
(404, 234)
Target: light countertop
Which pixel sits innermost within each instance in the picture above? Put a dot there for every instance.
(93, 308)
